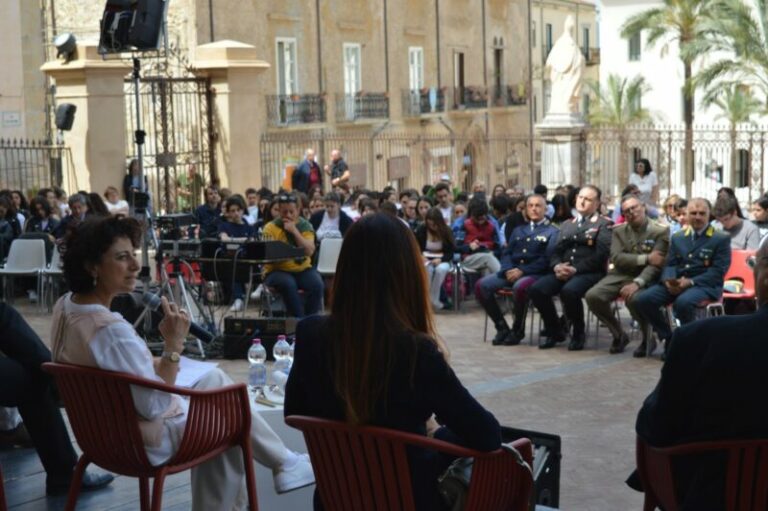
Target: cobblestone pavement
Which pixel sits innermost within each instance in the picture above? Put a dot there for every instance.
(589, 398)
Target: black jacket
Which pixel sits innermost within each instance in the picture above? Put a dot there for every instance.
(585, 246)
(409, 402)
(711, 388)
(344, 221)
(448, 246)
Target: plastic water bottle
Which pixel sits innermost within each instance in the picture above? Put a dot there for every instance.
(291, 351)
(257, 373)
(282, 354)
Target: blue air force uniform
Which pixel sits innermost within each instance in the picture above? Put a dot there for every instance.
(704, 258)
(529, 248)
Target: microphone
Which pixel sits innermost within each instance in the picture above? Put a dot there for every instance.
(152, 302)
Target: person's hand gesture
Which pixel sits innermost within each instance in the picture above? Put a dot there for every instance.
(174, 326)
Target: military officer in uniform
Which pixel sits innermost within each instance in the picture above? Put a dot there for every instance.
(578, 263)
(638, 250)
(694, 271)
(525, 259)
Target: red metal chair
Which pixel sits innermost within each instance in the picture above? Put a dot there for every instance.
(105, 423)
(366, 468)
(746, 480)
(740, 270)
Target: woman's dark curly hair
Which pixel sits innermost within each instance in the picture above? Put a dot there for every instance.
(87, 244)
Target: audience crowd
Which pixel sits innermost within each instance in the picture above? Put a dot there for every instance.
(525, 247)
(572, 244)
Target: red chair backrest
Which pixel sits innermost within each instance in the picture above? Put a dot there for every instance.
(104, 420)
(740, 270)
(366, 468)
(746, 484)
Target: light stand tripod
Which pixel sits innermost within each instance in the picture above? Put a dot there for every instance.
(142, 212)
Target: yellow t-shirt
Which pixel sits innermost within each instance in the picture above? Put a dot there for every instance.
(272, 231)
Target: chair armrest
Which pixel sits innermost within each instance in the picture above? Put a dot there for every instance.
(51, 367)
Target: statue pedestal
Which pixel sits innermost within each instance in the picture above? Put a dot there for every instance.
(561, 137)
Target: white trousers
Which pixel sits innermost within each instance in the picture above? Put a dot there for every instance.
(219, 483)
(436, 276)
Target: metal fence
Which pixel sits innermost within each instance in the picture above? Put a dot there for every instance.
(29, 165)
(722, 157)
(177, 118)
(402, 158)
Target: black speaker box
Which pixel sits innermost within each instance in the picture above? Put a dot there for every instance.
(546, 463)
(65, 116)
(239, 332)
(147, 23)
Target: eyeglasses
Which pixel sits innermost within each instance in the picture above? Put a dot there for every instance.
(286, 198)
(630, 209)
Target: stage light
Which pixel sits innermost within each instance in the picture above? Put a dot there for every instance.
(65, 44)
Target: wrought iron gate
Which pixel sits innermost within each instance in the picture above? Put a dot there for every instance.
(177, 117)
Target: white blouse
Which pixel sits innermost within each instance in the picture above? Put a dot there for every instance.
(117, 347)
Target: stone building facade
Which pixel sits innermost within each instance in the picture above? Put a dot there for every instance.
(409, 90)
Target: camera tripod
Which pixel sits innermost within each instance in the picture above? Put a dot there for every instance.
(177, 288)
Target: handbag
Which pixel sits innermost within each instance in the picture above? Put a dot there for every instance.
(453, 484)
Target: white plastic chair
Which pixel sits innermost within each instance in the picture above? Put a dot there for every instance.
(328, 256)
(51, 275)
(25, 257)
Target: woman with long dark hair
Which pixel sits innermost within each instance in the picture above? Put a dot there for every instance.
(377, 358)
(436, 243)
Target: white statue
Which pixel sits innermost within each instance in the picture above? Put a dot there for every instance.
(565, 67)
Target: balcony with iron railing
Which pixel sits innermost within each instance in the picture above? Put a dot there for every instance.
(292, 109)
(469, 97)
(509, 95)
(428, 100)
(592, 56)
(362, 105)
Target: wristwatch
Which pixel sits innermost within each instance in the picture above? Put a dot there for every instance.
(171, 356)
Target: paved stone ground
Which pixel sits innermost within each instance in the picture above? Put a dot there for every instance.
(589, 398)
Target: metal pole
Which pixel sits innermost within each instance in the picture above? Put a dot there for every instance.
(139, 135)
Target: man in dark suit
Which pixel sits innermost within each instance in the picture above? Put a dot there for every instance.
(710, 389)
(25, 385)
(579, 262)
(307, 174)
(696, 264)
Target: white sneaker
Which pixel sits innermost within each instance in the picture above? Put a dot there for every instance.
(32, 296)
(298, 475)
(237, 306)
(256, 295)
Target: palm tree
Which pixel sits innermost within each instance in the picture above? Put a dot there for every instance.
(738, 105)
(683, 22)
(738, 33)
(619, 106)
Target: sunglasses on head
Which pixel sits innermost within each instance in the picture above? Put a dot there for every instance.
(286, 199)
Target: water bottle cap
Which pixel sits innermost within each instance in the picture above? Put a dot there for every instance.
(256, 340)
(280, 337)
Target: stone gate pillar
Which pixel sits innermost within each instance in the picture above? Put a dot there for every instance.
(97, 139)
(238, 110)
(561, 158)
